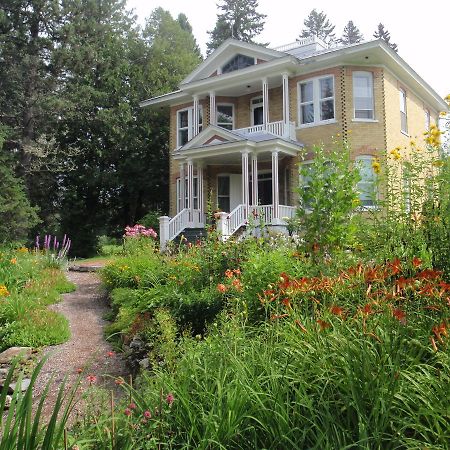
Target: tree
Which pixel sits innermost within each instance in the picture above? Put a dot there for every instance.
(17, 216)
(381, 33)
(351, 34)
(238, 19)
(317, 24)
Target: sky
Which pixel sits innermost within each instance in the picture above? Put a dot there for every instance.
(420, 29)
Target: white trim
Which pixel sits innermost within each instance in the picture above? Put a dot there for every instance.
(253, 107)
(190, 125)
(316, 101)
(310, 125)
(403, 97)
(366, 120)
(217, 114)
(220, 68)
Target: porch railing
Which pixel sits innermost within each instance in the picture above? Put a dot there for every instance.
(279, 128)
(286, 211)
(236, 219)
(178, 223)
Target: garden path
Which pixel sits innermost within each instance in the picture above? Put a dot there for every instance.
(86, 349)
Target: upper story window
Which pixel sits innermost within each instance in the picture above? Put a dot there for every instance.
(403, 116)
(363, 103)
(238, 62)
(185, 124)
(225, 116)
(257, 111)
(367, 184)
(316, 101)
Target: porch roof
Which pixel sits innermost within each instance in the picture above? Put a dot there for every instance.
(222, 145)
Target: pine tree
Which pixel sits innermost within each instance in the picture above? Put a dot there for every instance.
(238, 19)
(351, 34)
(381, 33)
(317, 24)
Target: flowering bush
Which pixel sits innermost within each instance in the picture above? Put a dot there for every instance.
(139, 231)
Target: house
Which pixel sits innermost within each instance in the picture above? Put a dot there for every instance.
(241, 119)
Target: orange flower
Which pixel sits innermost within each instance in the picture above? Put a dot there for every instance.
(399, 315)
(221, 288)
(416, 262)
(229, 273)
(13, 260)
(337, 310)
(395, 266)
(440, 330)
(323, 325)
(237, 284)
(278, 316)
(237, 272)
(286, 303)
(367, 309)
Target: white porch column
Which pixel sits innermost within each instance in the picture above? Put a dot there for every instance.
(265, 96)
(212, 108)
(254, 179)
(182, 187)
(163, 232)
(275, 193)
(245, 190)
(286, 118)
(195, 116)
(190, 183)
(201, 206)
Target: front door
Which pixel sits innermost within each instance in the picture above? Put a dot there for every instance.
(229, 191)
(265, 188)
(257, 111)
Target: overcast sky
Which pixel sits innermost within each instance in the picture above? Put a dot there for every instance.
(420, 29)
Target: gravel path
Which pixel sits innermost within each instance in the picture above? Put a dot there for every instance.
(86, 348)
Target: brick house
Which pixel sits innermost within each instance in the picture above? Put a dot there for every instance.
(248, 112)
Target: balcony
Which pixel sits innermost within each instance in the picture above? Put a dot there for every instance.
(280, 128)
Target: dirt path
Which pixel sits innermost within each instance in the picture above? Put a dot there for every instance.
(86, 348)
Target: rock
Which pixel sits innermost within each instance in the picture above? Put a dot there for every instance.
(3, 372)
(8, 355)
(8, 401)
(144, 363)
(23, 387)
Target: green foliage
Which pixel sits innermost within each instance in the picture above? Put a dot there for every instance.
(381, 33)
(238, 19)
(151, 219)
(328, 199)
(317, 24)
(17, 216)
(351, 34)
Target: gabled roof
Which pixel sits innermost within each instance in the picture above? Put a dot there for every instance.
(225, 52)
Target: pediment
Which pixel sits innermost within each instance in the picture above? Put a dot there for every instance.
(212, 135)
(231, 48)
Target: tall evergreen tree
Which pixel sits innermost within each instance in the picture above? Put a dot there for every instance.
(238, 19)
(351, 34)
(381, 33)
(317, 24)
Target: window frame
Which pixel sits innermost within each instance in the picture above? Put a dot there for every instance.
(427, 119)
(370, 77)
(371, 159)
(190, 126)
(316, 101)
(253, 106)
(220, 69)
(233, 115)
(224, 175)
(178, 193)
(403, 105)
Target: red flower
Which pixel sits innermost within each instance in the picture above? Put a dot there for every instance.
(132, 405)
(147, 414)
(286, 303)
(91, 379)
(416, 262)
(337, 310)
(170, 398)
(110, 354)
(367, 309)
(395, 266)
(399, 315)
(128, 412)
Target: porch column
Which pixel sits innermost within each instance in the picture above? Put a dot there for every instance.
(190, 183)
(254, 179)
(212, 108)
(200, 191)
(182, 187)
(195, 116)
(245, 193)
(286, 118)
(265, 96)
(275, 193)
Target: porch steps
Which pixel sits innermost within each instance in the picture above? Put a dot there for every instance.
(190, 235)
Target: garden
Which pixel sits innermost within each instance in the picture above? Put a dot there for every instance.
(336, 336)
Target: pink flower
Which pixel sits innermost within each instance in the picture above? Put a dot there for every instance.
(110, 354)
(127, 412)
(170, 398)
(91, 379)
(132, 405)
(147, 414)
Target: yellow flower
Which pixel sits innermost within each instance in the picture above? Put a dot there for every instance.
(13, 261)
(396, 153)
(22, 250)
(376, 166)
(447, 98)
(412, 143)
(3, 291)
(437, 163)
(443, 114)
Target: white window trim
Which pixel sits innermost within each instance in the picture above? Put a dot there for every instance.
(427, 119)
(400, 90)
(217, 113)
(316, 102)
(219, 69)
(190, 127)
(370, 77)
(369, 158)
(179, 200)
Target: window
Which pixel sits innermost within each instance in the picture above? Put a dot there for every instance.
(316, 100)
(223, 192)
(180, 204)
(185, 124)
(366, 186)
(363, 103)
(225, 116)
(238, 62)
(257, 111)
(403, 117)
(427, 119)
